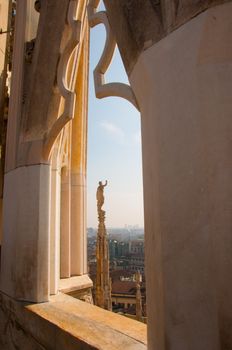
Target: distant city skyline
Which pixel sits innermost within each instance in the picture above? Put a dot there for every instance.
(114, 148)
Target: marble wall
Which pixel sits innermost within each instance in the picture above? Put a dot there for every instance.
(183, 85)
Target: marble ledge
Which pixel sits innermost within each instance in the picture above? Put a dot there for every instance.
(75, 283)
(66, 323)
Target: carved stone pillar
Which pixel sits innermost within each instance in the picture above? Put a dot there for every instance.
(41, 104)
(55, 221)
(179, 58)
(65, 224)
(78, 165)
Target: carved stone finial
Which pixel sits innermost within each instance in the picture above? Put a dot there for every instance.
(139, 309)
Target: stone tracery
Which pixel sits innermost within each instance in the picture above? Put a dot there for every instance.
(103, 89)
(66, 89)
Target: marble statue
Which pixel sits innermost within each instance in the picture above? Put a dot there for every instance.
(100, 195)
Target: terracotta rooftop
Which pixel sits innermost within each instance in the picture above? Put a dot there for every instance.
(124, 287)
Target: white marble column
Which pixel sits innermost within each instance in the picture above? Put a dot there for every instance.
(183, 85)
(65, 224)
(55, 225)
(25, 243)
(78, 166)
(78, 225)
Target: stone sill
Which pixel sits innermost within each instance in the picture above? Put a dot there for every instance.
(68, 323)
(72, 284)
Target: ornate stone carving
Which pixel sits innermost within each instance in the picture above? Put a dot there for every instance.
(66, 89)
(103, 89)
(139, 309)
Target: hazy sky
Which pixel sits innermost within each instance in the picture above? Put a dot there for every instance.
(114, 148)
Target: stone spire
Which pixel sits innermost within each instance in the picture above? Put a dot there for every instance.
(103, 283)
(139, 310)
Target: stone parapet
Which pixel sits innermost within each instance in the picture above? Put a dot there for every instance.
(66, 323)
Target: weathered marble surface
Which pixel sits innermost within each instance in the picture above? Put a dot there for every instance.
(137, 24)
(13, 333)
(183, 85)
(66, 323)
(24, 263)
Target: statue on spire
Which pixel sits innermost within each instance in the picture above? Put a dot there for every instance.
(103, 282)
(100, 196)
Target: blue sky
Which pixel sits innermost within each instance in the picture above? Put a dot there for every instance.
(114, 148)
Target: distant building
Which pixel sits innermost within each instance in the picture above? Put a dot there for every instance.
(136, 246)
(124, 295)
(118, 249)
